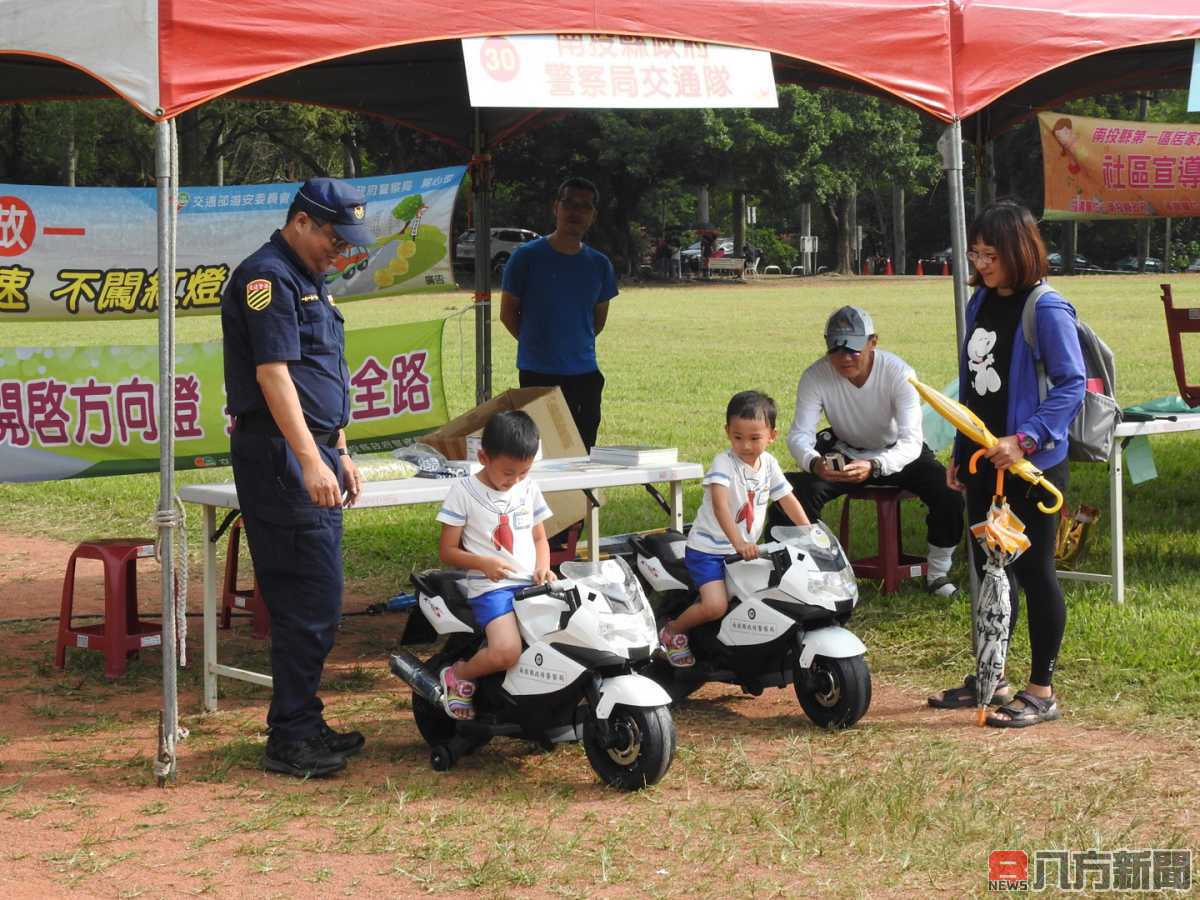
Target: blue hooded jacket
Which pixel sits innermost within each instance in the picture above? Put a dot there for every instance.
(1045, 420)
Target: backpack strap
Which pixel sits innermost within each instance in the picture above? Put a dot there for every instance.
(1029, 330)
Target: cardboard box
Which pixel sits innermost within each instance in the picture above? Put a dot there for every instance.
(560, 438)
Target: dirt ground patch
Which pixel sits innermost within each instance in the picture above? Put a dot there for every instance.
(758, 800)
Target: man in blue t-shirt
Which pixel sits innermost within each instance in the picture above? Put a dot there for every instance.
(554, 301)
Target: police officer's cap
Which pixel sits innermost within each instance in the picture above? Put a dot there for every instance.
(339, 203)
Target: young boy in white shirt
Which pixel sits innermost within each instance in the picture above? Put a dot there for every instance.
(737, 488)
(492, 525)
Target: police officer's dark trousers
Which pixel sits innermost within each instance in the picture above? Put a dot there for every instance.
(297, 552)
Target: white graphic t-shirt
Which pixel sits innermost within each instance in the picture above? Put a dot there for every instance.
(491, 519)
(748, 491)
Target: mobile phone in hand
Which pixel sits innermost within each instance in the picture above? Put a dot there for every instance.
(835, 461)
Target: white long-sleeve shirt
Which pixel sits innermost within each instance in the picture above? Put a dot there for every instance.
(880, 420)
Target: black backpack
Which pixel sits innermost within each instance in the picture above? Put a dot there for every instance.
(1090, 435)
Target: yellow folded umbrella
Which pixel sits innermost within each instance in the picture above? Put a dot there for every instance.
(971, 426)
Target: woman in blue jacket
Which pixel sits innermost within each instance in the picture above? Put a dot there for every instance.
(998, 381)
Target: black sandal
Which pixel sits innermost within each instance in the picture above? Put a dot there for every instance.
(1031, 711)
(964, 696)
(934, 587)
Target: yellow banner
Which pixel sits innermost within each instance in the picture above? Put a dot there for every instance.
(1108, 169)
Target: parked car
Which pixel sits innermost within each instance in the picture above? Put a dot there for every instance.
(689, 257)
(1130, 264)
(1082, 264)
(1194, 265)
(504, 242)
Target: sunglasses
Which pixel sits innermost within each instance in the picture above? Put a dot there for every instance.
(854, 353)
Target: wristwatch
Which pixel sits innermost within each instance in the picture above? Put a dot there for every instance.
(876, 468)
(1027, 442)
(342, 451)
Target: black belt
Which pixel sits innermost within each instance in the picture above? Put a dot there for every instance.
(258, 421)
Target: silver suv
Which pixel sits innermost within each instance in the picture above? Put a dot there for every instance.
(504, 242)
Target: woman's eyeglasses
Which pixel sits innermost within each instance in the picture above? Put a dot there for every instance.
(977, 258)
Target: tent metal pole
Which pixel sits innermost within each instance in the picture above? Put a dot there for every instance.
(166, 177)
(950, 146)
(481, 185)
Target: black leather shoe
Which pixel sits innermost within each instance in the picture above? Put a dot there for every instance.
(343, 743)
(309, 758)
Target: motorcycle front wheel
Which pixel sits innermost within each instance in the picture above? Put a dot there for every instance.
(642, 746)
(834, 692)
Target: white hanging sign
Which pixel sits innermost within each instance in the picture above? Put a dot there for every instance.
(605, 71)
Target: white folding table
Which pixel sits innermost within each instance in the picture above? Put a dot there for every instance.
(552, 475)
(1116, 496)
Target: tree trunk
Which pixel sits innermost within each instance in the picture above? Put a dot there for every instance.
(899, 233)
(189, 147)
(739, 221)
(839, 212)
(1070, 243)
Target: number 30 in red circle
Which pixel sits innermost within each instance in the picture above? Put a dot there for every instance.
(500, 59)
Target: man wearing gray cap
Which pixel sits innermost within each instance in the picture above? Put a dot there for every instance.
(287, 386)
(874, 435)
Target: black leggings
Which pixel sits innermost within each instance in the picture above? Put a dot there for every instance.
(1034, 569)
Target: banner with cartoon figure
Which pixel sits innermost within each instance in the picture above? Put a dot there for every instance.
(69, 412)
(91, 253)
(1108, 169)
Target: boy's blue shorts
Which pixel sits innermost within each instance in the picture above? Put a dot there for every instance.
(492, 605)
(704, 567)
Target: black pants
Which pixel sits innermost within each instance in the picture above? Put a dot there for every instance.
(1033, 570)
(924, 476)
(582, 393)
(297, 552)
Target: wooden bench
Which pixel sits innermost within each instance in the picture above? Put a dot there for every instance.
(734, 265)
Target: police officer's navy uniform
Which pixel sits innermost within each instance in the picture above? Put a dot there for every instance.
(276, 310)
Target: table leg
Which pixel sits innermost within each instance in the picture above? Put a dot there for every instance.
(210, 610)
(1116, 488)
(593, 530)
(677, 505)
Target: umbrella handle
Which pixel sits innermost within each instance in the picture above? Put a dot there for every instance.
(1052, 491)
(973, 465)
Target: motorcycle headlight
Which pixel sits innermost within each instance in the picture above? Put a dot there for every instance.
(832, 586)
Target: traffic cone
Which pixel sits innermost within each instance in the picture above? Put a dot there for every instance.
(888, 270)
(865, 268)
(945, 267)
(920, 268)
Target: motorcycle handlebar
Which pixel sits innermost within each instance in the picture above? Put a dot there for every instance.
(737, 557)
(534, 590)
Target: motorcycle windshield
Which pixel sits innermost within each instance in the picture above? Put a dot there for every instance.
(612, 578)
(815, 540)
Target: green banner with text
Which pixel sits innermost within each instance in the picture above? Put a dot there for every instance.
(72, 412)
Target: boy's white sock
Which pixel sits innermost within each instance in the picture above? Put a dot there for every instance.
(938, 561)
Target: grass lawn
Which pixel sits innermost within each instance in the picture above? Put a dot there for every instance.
(756, 800)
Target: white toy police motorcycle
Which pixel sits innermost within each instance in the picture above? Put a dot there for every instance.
(784, 624)
(573, 681)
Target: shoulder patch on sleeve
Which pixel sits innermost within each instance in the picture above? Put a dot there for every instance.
(258, 294)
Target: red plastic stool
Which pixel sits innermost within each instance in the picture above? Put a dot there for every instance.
(890, 563)
(567, 550)
(233, 597)
(122, 634)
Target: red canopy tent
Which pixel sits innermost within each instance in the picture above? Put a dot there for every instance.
(993, 60)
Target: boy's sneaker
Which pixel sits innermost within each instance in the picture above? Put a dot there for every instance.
(675, 648)
(456, 695)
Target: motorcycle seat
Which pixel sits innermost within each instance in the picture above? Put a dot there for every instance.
(447, 584)
(668, 547)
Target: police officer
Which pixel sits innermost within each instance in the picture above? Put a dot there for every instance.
(286, 382)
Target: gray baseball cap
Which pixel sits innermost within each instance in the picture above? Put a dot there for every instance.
(849, 328)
